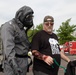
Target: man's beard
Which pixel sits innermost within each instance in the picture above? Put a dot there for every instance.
(49, 30)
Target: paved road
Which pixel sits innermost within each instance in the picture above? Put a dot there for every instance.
(61, 71)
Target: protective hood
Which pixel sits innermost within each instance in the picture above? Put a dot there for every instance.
(22, 13)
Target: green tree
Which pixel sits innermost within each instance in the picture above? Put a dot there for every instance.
(65, 32)
(39, 27)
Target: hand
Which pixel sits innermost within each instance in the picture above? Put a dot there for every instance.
(48, 59)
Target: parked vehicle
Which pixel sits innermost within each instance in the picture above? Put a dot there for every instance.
(69, 47)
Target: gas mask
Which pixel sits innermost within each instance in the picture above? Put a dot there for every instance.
(25, 16)
(28, 21)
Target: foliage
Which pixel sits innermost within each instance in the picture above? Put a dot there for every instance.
(65, 32)
(39, 27)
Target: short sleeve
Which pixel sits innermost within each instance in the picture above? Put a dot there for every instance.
(35, 44)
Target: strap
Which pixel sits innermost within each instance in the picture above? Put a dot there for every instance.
(29, 63)
(59, 65)
(21, 56)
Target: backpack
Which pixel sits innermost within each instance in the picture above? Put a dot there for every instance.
(71, 68)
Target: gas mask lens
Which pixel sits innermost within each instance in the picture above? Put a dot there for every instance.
(29, 17)
(28, 20)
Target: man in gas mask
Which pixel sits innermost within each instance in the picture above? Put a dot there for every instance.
(15, 42)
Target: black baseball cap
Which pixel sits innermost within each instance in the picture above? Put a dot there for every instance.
(48, 19)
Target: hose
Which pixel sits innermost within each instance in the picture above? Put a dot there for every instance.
(59, 65)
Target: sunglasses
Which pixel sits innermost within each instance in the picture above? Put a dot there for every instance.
(49, 23)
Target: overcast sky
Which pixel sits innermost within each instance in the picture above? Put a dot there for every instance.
(61, 10)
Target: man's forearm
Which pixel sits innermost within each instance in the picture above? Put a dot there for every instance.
(39, 55)
(64, 57)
